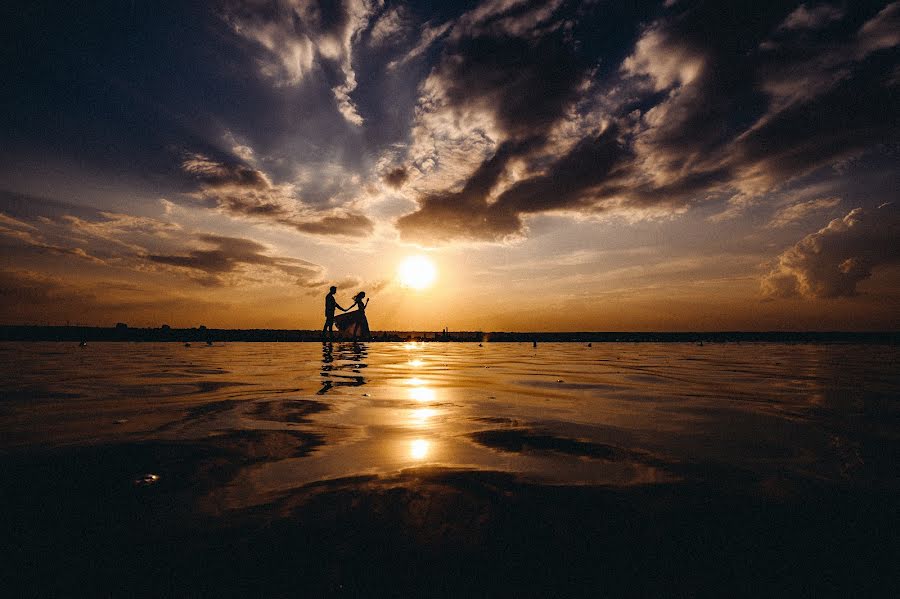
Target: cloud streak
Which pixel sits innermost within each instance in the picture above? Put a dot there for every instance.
(220, 256)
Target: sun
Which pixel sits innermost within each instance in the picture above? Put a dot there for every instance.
(417, 272)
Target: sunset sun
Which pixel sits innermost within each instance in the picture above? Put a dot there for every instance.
(417, 272)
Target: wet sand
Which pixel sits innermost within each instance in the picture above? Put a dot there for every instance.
(449, 469)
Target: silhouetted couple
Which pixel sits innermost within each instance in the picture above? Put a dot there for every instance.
(352, 323)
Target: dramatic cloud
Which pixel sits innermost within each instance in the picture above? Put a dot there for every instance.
(832, 261)
(97, 237)
(223, 255)
(300, 35)
(710, 105)
(341, 131)
(119, 242)
(242, 191)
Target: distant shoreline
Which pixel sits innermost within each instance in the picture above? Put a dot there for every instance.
(203, 334)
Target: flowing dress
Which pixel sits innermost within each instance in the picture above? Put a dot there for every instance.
(353, 323)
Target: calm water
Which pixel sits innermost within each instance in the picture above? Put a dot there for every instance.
(617, 414)
(259, 423)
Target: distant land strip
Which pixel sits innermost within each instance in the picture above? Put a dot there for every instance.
(122, 332)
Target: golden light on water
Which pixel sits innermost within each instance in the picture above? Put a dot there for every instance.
(417, 272)
(422, 394)
(421, 415)
(418, 449)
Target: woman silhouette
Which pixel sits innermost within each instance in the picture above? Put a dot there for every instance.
(355, 322)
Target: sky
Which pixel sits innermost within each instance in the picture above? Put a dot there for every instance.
(565, 166)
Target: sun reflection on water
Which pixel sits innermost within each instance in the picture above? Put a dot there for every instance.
(422, 415)
(418, 449)
(422, 394)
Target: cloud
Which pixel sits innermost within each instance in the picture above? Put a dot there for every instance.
(299, 36)
(741, 117)
(389, 26)
(97, 237)
(466, 214)
(222, 255)
(30, 297)
(117, 243)
(812, 18)
(798, 212)
(880, 32)
(430, 35)
(832, 262)
(242, 191)
(396, 177)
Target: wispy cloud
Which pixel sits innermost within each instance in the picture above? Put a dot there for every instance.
(796, 213)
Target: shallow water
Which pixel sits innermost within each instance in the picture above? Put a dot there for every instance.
(259, 423)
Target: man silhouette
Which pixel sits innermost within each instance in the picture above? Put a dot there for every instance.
(330, 305)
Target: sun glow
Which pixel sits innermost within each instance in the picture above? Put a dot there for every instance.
(417, 272)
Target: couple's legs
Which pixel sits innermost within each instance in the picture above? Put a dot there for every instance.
(362, 330)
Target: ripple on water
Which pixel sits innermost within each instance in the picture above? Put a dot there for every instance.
(563, 412)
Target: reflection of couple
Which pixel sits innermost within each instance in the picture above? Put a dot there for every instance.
(353, 323)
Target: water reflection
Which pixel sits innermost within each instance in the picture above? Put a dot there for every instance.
(418, 449)
(618, 414)
(340, 359)
(421, 416)
(422, 394)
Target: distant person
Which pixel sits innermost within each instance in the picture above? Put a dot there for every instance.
(330, 305)
(355, 322)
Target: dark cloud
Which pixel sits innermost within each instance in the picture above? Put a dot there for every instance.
(579, 179)
(813, 17)
(298, 37)
(293, 107)
(344, 224)
(466, 214)
(243, 191)
(526, 83)
(230, 254)
(217, 174)
(834, 260)
(711, 103)
(396, 177)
